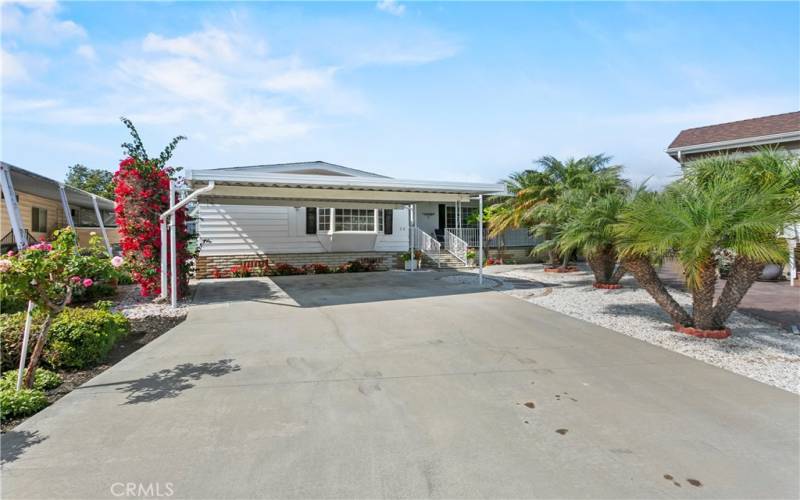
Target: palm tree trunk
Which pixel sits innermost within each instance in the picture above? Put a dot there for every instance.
(646, 276)
(743, 273)
(703, 297)
(619, 272)
(37, 352)
(602, 264)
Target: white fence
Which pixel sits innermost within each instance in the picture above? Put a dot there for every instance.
(509, 238)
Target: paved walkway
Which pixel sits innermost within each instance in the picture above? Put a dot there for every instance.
(400, 385)
(773, 302)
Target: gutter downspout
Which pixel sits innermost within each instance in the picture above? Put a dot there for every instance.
(162, 222)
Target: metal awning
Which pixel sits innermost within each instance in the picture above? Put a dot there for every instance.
(30, 182)
(245, 188)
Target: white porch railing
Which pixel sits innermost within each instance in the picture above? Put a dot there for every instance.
(428, 244)
(510, 238)
(456, 245)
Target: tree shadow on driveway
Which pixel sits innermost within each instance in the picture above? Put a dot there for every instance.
(170, 383)
(16, 442)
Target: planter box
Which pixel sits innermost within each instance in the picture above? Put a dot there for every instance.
(418, 265)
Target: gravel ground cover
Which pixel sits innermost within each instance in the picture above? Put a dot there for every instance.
(756, 349)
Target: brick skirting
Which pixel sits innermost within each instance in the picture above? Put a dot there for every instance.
(205, 264)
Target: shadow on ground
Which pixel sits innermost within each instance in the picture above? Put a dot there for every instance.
(171, 383)
(16, 442)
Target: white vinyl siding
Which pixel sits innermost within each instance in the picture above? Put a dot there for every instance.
(251, 230)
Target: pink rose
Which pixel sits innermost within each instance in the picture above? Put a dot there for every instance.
(88, 282)
(75, 279)
(10, 253)
(5, 265)
(117, 261)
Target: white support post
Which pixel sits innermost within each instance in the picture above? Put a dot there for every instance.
(333, 221)
(480, 239)
(792, 261)
(173, 247)
(12, 206)
(410, 238)
(164, 244)
(101, 224)
(376, 215)
(26, 335)
(65, 205)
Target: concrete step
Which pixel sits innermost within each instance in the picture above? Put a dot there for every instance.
(445, 260)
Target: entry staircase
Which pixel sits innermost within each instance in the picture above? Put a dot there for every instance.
(451, 255)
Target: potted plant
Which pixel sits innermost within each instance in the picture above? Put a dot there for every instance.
(471, 257)
(406, 258)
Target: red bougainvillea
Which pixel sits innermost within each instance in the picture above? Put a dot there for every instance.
(142, 194)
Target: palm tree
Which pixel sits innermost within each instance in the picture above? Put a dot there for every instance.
(720, 203)
(590, 230)
(538, 202)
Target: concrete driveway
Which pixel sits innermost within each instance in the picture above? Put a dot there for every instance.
(400, 385)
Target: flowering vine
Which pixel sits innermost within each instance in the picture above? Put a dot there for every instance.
(142, 195)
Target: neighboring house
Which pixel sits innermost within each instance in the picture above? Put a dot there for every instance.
(310, 212)
(42, 211)
(738, 138)
(742, 138)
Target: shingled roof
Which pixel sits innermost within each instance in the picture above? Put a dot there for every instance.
(743, 129)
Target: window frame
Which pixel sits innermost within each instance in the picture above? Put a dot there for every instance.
(36, 219)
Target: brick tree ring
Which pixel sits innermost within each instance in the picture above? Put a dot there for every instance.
(568, 269)
(703, 334)
(607, 286)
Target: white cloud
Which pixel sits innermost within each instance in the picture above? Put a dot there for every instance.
(11, 68)
(392, 7)
(38, 22)
(304, 80)
(204, 45)
(87, 52)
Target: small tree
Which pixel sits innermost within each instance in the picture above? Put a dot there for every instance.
(142, 195)
(720, 204)
(97, 181)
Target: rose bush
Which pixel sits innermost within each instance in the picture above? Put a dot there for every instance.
(49, 275)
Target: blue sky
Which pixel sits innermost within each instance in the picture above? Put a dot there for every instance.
(451, 91)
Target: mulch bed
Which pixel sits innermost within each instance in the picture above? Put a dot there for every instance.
(143, 331)
(561, 270)
(607, 286)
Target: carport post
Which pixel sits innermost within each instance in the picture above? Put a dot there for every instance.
(411, 237)
(164, 243)
(792, 260)
(173, 249)
(480, 239)
(100, 223)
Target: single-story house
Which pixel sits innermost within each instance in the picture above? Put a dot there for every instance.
(738, 138)
(41, 209)
(318, 212)
(742, 138)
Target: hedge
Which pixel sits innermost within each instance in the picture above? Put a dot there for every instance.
(79, 337)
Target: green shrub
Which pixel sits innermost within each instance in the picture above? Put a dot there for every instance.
(45, 380)
(83, 337)
(11, 327)
(78, 337)
(20, 403)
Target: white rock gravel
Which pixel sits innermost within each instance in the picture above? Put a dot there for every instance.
(132, 305)
(756, 349)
